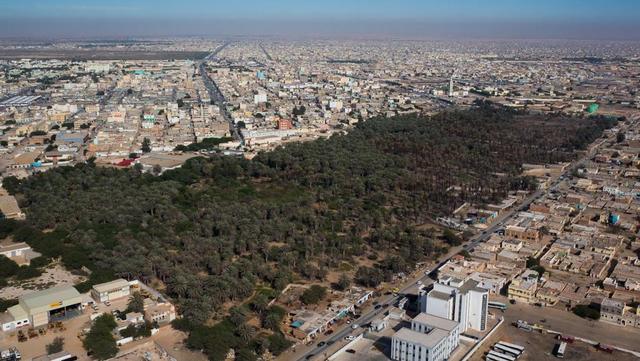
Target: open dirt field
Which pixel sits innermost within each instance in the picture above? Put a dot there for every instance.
(55, 275)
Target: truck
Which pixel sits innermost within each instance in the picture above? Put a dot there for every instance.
(524, 325)
(566, 338)
(605, 348)
(561, 349)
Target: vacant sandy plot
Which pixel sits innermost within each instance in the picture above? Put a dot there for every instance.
(53, 276)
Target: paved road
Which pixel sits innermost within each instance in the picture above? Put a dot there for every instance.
(265, 52)
(426, 276)
(216, 95)
(213, 55)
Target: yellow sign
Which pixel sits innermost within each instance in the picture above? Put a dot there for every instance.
(57, 304)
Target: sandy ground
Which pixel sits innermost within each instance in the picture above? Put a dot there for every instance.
(147, 351)
(36, 346)
(566, 322)
(167, 338)
(541, 347)
(172, 342)
(53, 276)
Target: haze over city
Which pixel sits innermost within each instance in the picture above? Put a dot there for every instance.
(337, 180)
(415, 19)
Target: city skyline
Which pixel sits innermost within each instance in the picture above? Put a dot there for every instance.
(567, 19)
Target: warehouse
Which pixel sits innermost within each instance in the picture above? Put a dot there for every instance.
(111, 290)
(39, 308)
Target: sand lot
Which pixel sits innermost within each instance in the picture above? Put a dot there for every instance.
(55, 275)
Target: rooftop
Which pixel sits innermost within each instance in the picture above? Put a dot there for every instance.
(47, 297)
(435, 321)
(112, 285)
(428, 340)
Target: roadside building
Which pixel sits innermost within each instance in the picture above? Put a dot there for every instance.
(523, 233)
(430, 338)
(524, 288)
(458, 300)
(616, 312)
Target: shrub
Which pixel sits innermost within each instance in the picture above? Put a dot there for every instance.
(586, 311)
(313, 295)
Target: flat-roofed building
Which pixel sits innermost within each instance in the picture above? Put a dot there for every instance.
(41, 307)
(159, 312)
(458, 300)
(524, 287)
(110, 291)
(14, 250)
(430, 338)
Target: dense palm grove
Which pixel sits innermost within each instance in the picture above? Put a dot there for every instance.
(216, 228)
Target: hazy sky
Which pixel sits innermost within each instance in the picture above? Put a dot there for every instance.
(587, 19)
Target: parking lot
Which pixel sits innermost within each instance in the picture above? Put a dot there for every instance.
(366, 349)
(540, 347)
(566, 322)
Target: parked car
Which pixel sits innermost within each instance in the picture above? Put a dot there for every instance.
(603, 347)
(321, 343)
(351, 350)
(349, 338)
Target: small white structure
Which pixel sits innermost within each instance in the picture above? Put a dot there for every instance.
(378, 324)
(14, 250)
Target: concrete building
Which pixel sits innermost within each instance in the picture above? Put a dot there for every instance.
(110, 291)
(41, 307)
(430, 338)
(616, 312)
(14, 250)
(159, 312)
(524, 288)
(457, 300)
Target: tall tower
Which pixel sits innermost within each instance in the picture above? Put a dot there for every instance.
(451, 86)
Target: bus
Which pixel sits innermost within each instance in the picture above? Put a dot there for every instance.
(562, 347)
(508, 350)
(501, 356)
(498, 305)
(512, 345)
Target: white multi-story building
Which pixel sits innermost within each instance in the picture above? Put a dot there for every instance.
(430, 338)
(458, 300)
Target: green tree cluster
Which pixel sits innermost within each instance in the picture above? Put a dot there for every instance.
(100, 342)
(313, 295)
(216, 227)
